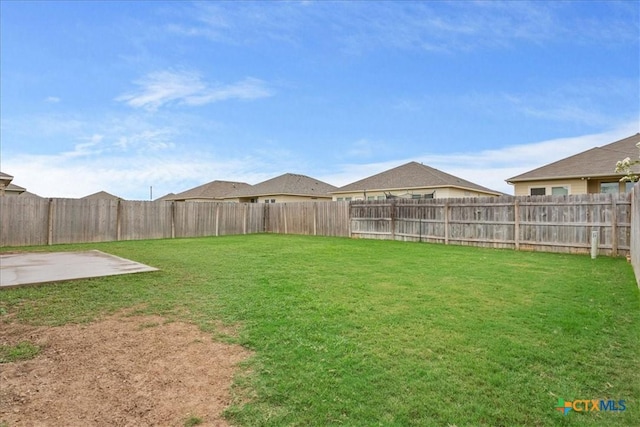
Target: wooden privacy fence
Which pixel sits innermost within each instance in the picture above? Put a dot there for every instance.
(543, 223)
(635, 230)
(33, 221)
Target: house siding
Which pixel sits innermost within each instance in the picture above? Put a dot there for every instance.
(286, 198)
(438, 193)
(575, 186)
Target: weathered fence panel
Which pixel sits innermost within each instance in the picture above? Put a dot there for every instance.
(547, 223)
(308, 218)
(82, 220)
(237, 218)
(194, 219)
(139, 220)
(372, 220)
(544, 223)
(24, 221)
(331, 219)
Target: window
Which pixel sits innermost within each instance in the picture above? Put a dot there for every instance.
(416, 196)
(609, 187)
(559, 191)
(348, 199)
(538, 191)
(339, 199)
(371, 198)
(628, 186)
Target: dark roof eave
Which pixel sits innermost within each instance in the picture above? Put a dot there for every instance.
(429, 187)
(555, 178)
(277, 194)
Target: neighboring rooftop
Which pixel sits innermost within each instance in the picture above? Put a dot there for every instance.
(412, 175)
(166, 197)
(211, 190)
(100, 195)
(5, 177)
(6, 187)
(288, 184)
(596, 162)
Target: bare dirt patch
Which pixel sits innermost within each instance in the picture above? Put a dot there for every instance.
(121, 371)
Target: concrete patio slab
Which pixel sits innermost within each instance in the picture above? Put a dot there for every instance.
(44, 267)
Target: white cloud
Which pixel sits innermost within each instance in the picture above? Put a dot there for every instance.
(183, 87)
(490, 168)
(52, 99)
(61, 175)
(80, 172)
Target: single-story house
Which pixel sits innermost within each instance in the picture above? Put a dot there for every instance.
(412, 180)
(288, 187)
(592, 171)
(7, 188)
(209, 192)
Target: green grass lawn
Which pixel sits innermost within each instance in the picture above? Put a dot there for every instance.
(365, 332)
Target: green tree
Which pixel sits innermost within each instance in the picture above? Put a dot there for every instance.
(626, 167)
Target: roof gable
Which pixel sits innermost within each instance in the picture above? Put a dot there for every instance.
(412, 175)
(288, 183)
(100, 195)
(598, 161)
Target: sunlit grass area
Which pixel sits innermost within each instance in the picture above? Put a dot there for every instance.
(365, 332)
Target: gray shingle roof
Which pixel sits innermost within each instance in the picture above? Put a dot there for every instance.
(166, 197)
(211, 190)
(596, 162)
(289, 184)
(100, 195)
(412, 175)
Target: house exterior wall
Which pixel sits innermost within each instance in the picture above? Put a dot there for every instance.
(438, 193)
(595, 184)
(574, 186)
(283, 198)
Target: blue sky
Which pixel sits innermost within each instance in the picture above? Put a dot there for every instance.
(122, 96)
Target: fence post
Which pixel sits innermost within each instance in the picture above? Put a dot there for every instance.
(594, 243)
(284, 213)
(315, 219)
(516, 224)
(244, 218)
(446, 222)
(265, 217)
(173, 219)
(119, 220)
(614, 225)
(50, 223)
(393, 219)
(217, 219)
(349, 217)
